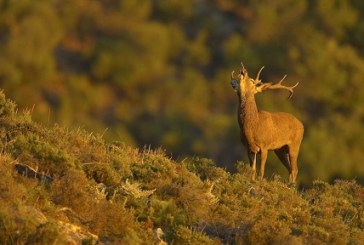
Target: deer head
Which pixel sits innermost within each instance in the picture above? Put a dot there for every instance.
(244, 84)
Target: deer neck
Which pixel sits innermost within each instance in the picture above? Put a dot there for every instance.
(248, 113)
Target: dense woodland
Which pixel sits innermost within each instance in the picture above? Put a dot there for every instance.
(156, 73)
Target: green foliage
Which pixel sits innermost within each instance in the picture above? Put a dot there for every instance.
(187, 236)
(7, 106)
(204, 168)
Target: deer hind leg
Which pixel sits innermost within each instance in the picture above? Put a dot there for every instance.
(263, 159)
(293, 155)
(283, 156)
(253, 162)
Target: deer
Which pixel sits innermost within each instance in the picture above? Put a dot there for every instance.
(262, 131)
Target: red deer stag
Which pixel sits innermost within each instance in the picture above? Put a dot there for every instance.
(262, 131)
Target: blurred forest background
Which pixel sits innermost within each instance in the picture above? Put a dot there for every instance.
(157, 72)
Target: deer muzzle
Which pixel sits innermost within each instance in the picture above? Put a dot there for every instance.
(235, 85)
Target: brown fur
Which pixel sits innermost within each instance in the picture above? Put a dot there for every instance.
(262, 131)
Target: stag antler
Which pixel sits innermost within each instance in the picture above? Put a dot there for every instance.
(257, 81)
(243, 71)
(278, 85)
(233, 77)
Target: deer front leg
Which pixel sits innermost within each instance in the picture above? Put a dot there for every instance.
(263, 159)
(253, 162)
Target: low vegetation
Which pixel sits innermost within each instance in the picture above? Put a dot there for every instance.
(96, 192)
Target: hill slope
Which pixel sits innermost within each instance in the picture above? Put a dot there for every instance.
(70, 187)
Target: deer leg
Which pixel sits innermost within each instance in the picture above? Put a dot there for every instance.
(294, 171)
(283, 156)
(253, 162)
(293, 155)
(263, 159)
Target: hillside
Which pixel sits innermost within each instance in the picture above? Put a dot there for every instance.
(62, 186)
